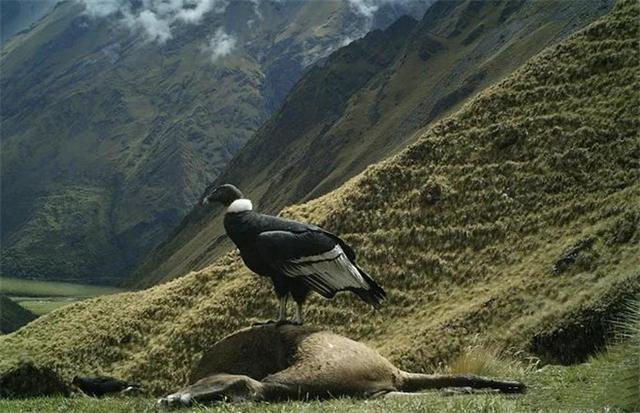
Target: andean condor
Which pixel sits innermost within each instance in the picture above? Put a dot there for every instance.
(297, 257)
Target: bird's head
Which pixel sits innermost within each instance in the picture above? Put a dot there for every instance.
(224, 194)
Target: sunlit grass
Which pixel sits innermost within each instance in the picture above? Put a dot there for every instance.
(44, 305)
(42, 297)
(552, 389)
(36, 288)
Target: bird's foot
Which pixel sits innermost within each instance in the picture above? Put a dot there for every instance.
(263, 323)
(277, 323)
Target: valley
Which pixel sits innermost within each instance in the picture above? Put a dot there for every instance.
(42, 297)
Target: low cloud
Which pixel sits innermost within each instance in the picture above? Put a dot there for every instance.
(155, 28)
(368, 8)
(220, 45)
(154, 17)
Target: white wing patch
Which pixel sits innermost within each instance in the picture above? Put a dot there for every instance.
(328, 272)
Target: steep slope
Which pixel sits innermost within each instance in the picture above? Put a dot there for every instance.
(13, 315)
(110, 133)
(360, 107)
(511, 224)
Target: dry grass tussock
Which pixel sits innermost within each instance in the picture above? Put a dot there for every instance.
(463, 229)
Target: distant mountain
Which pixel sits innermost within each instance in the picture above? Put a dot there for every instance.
(511, 224)
(13, 315)
(116, 116)
(19, 15)
(366, 102)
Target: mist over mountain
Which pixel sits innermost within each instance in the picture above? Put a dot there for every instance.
(116, 115)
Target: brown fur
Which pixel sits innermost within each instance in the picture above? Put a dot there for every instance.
(271, 362)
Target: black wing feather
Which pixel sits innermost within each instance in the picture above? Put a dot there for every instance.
(320, 259)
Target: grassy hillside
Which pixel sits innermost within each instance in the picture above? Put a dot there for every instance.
(108, 138)
(602, 384)
(368, 101)
(510, 225)
(12, 315)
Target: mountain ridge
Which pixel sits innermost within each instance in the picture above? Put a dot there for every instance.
(297, 156)
(109, 136)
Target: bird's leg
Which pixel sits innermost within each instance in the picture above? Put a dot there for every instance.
(298, 319)
(282, 312)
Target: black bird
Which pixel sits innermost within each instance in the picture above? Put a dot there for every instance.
(297, 257)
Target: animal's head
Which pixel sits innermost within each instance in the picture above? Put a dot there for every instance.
(224, 194)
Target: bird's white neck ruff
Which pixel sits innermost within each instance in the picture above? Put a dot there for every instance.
(240, 205)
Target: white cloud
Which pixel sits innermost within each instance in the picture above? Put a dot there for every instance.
(154, 28)
(256, 8)
(367, 8)
(102, 8)
(220, 45)
(196, 10)
(155, 17)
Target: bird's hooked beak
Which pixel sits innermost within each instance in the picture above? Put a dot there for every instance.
(212, 197)
(207, 199)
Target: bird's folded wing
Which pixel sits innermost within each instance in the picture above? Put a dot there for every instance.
(313, 257)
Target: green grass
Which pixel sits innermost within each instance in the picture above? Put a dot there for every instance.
(42, 297)
(17, 287)
(425, 403)
(553, 388)
(44, 305)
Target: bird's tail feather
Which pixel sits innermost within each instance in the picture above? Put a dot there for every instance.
(374, 294)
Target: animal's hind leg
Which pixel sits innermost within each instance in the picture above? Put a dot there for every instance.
(412, 382)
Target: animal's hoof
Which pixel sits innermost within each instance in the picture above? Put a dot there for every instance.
(131, 391)
(175, 400)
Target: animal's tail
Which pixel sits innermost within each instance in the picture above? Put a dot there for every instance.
(374, 294)
(411, 382)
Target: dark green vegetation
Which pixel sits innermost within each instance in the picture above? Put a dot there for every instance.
(467, 229)
(12, 315)
(108, 139)
(368, 101)
(41, 297)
